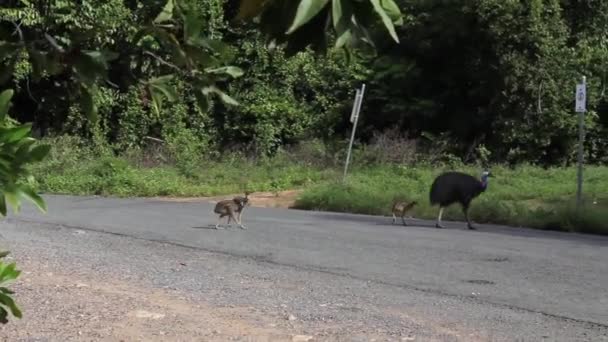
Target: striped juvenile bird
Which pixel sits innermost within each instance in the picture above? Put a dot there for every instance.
(401, 207)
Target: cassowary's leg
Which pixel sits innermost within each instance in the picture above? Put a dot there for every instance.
(394, 218)
(438, 224)
(465, 209)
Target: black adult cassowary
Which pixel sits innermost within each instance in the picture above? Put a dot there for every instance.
(451, 187)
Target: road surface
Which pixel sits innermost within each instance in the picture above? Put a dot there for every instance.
(347, 275)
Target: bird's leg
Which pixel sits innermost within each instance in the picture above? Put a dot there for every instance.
(394, 218)
(438, 224)
(219, 220)
(239, 222)
(403, 218)
(466, 215)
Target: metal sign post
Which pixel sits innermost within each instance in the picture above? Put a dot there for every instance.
(580, 108)
(354, 118)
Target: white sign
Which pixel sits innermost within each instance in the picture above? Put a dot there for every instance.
(354, 113)
(581, 98)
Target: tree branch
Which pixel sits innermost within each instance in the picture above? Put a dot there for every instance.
(162, 61)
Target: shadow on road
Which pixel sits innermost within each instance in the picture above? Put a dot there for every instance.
(413, 223)
(210, 227)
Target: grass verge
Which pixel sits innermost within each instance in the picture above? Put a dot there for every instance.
(77, 170)
(523, 196)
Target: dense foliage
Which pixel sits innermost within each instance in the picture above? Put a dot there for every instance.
(475, 77)
(497, 74)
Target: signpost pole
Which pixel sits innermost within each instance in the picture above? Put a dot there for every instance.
(354, 118)
(581, 99)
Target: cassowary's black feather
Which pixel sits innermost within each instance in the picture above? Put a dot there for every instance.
(453, 187)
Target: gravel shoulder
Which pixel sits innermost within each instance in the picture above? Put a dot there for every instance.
(87, 286)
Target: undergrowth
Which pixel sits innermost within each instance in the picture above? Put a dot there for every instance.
(73, 168)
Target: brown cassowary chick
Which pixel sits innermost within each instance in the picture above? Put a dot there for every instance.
(452, 187)
(400, 207)
(230, 208)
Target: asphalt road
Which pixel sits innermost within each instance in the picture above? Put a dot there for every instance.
(560, 277)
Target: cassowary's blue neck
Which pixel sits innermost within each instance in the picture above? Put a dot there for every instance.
(484, 181)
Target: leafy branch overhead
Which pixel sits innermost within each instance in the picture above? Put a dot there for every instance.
(304, 23)
(174, 41)
(17, 150)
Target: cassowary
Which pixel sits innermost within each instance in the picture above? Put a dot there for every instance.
(451, 187)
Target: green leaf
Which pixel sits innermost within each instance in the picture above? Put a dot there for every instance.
(223, 96)
(31, 195)
(157, 101)
(393, 11)
(158, 88)
(341, 14)
(15, 134)
(5, 289)
(166, 13)
(161, 79)
(39, 152)
(10, 303)
(307, 9)
(5, 99)
(23, 152)
(388, 22)
(13, 200)
(88, 104)
(233, 71)
(343, 38)
(8, 272)
(160, 84)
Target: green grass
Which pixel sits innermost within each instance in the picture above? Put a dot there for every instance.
(524, 196)
(117, 177)
(73, 169)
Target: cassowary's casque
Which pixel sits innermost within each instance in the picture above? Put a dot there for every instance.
(451, 187)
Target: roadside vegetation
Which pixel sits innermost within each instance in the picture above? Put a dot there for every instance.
(522, 195)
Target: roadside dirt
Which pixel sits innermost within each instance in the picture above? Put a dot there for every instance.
(80, 307)
(281, 199)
